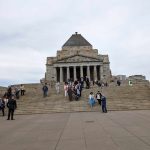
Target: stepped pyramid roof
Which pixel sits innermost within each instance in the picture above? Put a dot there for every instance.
(77, 40)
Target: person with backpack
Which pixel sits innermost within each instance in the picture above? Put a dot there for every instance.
(45, 90)
(12, 105)
(2, 106)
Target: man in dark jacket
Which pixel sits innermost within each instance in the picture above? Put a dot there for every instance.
(45, 90)
(104, 109)
(12, 105)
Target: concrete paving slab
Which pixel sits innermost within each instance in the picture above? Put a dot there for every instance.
(121, 130)
(101, 144)
(75, 144)
(131, 143)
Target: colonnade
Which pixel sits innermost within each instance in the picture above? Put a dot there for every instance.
(94, 73)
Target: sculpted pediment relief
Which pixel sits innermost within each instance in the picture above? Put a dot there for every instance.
(78, 58)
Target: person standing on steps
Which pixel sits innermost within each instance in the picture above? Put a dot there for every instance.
(118, 82)
(45, 90)
(22, 89)
(12, 105)
(66, 89)
(130, 83)
(98, 97)
(104, 108)
(70, 92)
(91, 100)
(9, 92)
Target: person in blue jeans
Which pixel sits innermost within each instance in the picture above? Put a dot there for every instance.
(91, 99)
(103, 103)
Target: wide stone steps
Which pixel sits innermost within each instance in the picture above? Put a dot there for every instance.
(118, 98)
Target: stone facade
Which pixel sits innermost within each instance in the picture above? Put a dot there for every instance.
(77, 59)
(137, 77)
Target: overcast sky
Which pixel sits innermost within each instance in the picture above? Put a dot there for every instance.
(31, 30)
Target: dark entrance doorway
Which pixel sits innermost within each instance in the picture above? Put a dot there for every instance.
(71, 73)
(98, 73)
(84, 72)
(78, 73)
(65, 74)
(92, 73)
(58, 74)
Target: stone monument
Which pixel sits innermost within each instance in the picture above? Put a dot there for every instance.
(77, 59)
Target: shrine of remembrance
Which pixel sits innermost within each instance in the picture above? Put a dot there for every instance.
(77, 59)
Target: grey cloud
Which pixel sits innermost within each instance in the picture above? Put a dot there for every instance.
(31, 30)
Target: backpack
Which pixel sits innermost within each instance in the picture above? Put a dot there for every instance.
(45, 88)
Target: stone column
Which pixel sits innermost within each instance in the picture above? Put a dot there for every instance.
(75, 74)
(55, 74)
(68, 73)
(81, 71)
(61, 75)
(101, 72)
(88, 73)
(95, 73)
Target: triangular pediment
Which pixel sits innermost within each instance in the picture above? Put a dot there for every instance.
(78, 58)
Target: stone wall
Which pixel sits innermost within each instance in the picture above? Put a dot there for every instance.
(80, 50)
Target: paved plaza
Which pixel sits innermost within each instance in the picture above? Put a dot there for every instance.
(116, 130)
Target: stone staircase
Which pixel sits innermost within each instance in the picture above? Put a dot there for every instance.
(33, 102)
(125, 97)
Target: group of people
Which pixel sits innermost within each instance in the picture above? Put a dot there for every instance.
(15, 91)
(9, 100)
(45, 89)
(101, 100)
(73, 90)
(11, 105)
